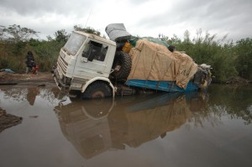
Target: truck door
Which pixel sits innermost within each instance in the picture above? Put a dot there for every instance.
(91, 61)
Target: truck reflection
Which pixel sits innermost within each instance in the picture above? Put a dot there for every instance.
(96, 126)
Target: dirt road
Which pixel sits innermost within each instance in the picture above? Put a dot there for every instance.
(15, 78)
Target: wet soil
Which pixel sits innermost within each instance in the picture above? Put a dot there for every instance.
(8, 120)
(15, 78)
(237, 81)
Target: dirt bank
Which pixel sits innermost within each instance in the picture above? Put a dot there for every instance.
(8, 120)
(237, 81)
(15, 78)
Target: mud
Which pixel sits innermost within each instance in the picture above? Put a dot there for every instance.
(8, 120)
(237, 81)
(16, 78)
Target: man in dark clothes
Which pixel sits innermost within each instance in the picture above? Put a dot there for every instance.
(30, 63)
(171, 48)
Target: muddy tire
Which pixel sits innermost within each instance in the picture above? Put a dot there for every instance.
(97, 90)
(121, 65)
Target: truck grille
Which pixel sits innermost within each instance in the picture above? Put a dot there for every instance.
(62, 65)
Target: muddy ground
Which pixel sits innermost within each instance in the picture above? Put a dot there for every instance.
(8, 120)
(6, 79)
(15, 78)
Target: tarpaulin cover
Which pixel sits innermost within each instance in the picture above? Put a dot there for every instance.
(133, 40)
(151, 61)
(117, 32)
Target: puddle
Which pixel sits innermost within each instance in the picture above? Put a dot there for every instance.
(195, 129)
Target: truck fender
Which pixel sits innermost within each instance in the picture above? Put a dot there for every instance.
(84, 87)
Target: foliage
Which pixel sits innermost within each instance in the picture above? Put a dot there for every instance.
(61, 36)
(46, 53)
(87, 30)
(12, 54)
(206, 49)
(243, 62)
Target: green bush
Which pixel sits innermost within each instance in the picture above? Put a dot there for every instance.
(243, 61)
(222, 57)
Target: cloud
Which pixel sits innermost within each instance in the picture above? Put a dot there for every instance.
(38, 7)
(141, 17)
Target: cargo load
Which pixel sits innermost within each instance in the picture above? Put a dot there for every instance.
(152, 61)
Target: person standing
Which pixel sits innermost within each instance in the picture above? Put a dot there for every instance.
(29, 62)
(172, 48)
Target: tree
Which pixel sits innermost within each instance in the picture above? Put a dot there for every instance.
(47, 51)
(16, 33)
(61, 36)
(187, 37)
(87, 30)
(1, 31)
(205, 49)
(174, 40)
(243, 61)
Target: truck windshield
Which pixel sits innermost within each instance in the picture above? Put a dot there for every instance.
(74, 43)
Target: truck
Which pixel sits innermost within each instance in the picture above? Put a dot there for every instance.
(90, 66)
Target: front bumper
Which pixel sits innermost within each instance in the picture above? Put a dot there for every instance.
(59, 82)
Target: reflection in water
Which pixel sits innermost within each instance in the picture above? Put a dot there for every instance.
(29, 94)
(21, 94)
(95, 126)
(235, 101)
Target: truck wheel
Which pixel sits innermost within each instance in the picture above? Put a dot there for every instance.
(97, 90)
(121, 65)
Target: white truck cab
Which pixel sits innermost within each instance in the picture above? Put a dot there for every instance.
(84, 65)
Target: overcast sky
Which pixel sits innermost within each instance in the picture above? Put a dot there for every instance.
(140, 17)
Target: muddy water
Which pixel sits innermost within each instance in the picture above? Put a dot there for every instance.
(197, 129)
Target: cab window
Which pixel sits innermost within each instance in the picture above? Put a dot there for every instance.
(94, 50)
(74, 43)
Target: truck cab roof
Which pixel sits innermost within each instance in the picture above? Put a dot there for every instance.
(97, 38)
